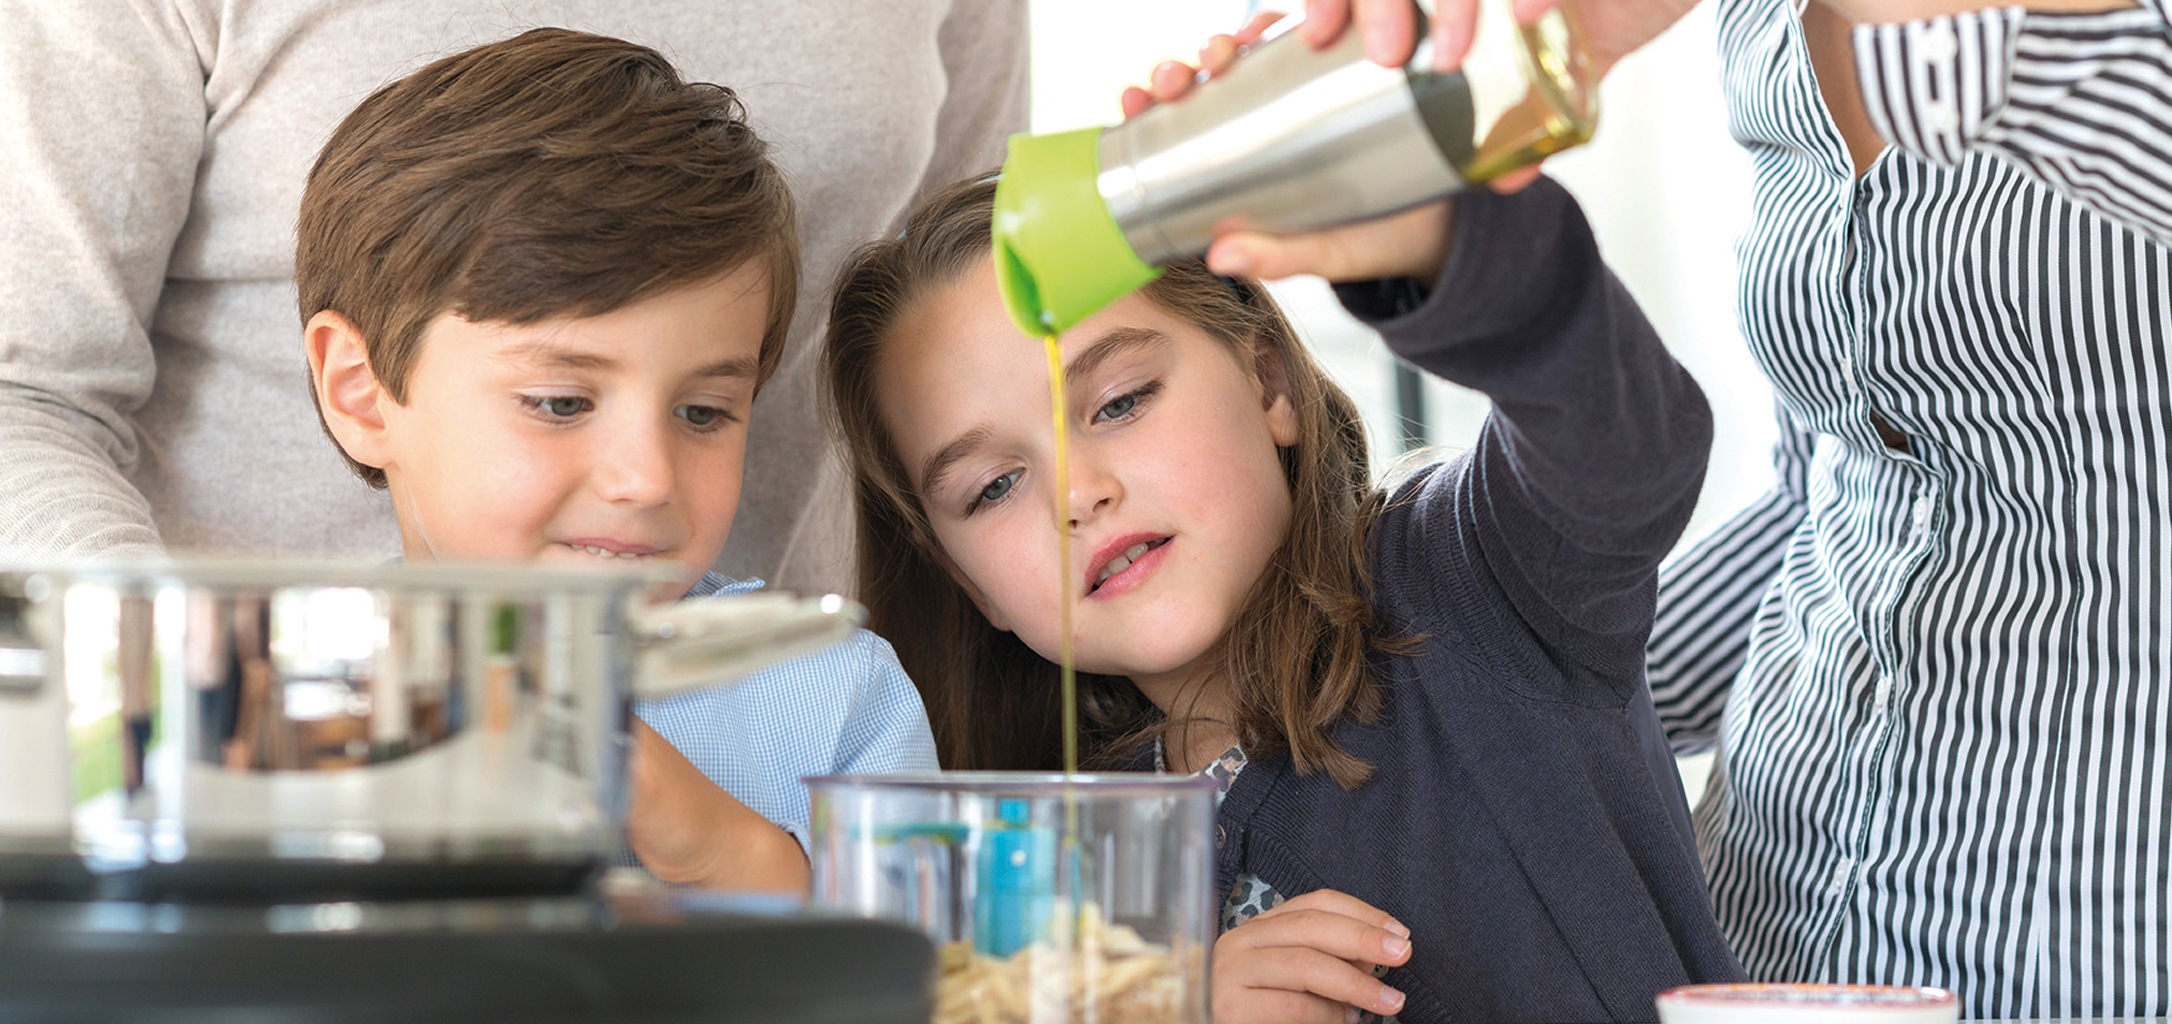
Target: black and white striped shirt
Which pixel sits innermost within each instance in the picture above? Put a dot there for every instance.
(1941, 677)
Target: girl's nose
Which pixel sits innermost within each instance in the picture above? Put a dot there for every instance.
(1094, 488)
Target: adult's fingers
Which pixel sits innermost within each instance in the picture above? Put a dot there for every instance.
(1455, 23)
(1135, 101)
(1258, 26)
(1172, 80)
(1516, 181)
(1219, 53)
(1224, 48)
(1528, 11)
(1324, 22)
(1613, 29)
(1390, 28)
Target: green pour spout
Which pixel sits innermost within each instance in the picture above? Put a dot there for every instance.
(1059, 256)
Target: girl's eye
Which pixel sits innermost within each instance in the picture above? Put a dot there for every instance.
(704, 417)
(559, 406)
(1125, 404)
(997, 489)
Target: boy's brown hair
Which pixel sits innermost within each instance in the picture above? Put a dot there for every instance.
(1298, 655)
(556, 173)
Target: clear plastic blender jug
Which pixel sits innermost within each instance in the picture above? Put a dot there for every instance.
(1085, 898)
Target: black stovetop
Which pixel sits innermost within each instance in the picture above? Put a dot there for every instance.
(651, 958)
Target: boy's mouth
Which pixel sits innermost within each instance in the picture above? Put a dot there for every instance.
(602, 548)
(1123, 558)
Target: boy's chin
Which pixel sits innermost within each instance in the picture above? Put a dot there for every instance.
(670, 590)
(683, 576)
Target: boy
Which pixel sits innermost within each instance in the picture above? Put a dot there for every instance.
(542, 282)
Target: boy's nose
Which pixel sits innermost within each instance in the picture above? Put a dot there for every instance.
(635, 468)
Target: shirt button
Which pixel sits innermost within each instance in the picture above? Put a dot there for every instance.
(1939, 116)
(1920, 512)
(1937, 45)
(1841, 873)
(1883, 695)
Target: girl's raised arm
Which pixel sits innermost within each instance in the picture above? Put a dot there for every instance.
(1587, 471)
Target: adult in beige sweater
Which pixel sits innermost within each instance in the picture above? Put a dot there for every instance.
(152, 152)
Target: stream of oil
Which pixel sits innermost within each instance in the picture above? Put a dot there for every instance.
(1021, 295)
(1064, 589)
(1071, 857)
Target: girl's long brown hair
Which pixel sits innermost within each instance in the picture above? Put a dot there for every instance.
(1296, 658)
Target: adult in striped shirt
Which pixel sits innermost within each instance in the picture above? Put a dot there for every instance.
(1937, 657)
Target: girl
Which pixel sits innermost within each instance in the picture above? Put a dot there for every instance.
(1427, 706)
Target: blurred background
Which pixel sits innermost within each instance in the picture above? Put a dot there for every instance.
(1666, 189)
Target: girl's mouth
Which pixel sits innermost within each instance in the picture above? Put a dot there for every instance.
(1124, 559)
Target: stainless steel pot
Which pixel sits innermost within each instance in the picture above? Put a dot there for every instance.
(290, 731)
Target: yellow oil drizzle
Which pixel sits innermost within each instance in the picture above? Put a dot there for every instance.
(1073, 854)
(1065, 584)
(1022, 297)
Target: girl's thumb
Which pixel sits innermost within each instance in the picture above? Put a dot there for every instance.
(1270, 257)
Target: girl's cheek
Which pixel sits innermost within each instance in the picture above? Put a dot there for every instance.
(1014, 570)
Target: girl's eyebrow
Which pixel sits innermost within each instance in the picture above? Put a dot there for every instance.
(939, 464)
(1116, 342)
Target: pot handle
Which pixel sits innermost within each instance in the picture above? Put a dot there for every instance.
(22, 667)
(693, 644)
(22, 659)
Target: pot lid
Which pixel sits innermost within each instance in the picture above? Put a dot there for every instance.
(269, 573)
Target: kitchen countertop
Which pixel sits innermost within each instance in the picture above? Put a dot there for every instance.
(674, 958)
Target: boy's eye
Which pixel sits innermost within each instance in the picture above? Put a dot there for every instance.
(559, 406)
(703, 416)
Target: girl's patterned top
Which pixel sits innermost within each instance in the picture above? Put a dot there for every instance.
(1251, 896)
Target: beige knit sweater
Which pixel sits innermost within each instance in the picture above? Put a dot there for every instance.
(152, 154)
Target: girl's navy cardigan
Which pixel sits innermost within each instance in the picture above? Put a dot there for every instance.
(1524, 817)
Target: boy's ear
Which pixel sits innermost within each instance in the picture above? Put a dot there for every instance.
(349, 396)
(1274, 383)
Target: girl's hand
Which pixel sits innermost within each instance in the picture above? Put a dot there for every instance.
(1308, 962)
(688, 831)
(1409, 244)
(1413, 243)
